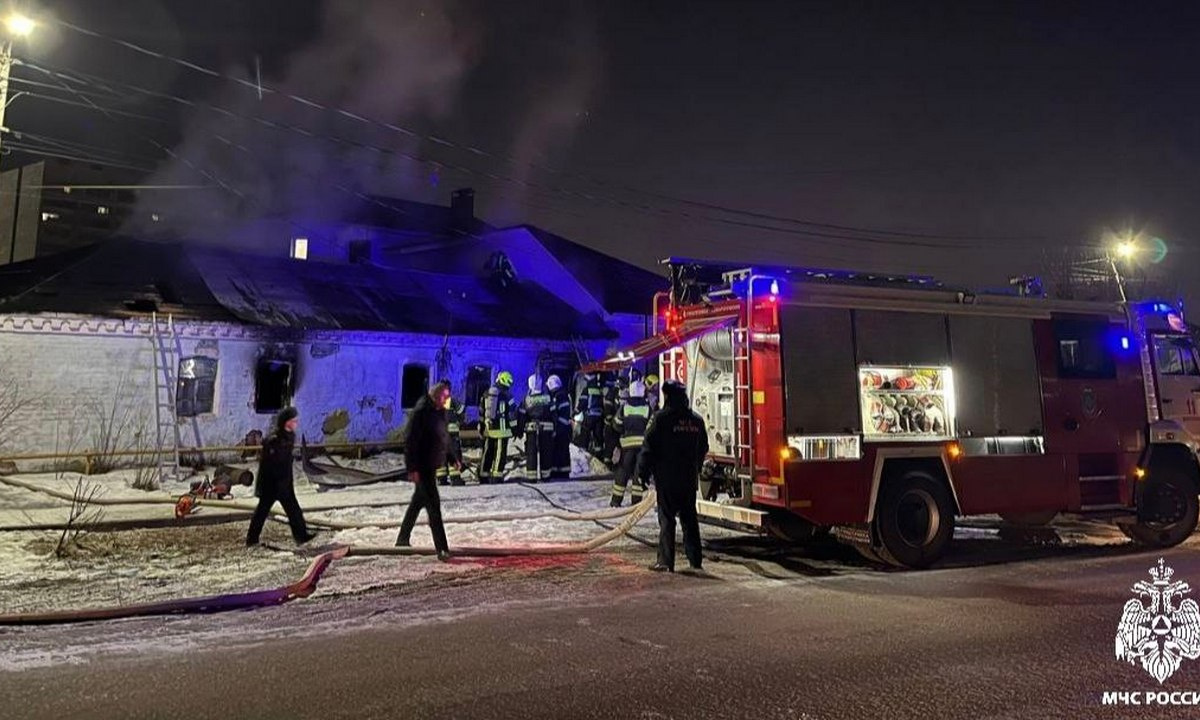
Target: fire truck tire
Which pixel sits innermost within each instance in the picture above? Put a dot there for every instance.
(1169, 509)
(914, 519)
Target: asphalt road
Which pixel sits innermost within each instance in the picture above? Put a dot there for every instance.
(1003, 630)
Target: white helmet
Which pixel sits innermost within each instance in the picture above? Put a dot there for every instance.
(637, 389)
(535, 383)
(553, 383)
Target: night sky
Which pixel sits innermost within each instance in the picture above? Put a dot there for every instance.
(965, 140)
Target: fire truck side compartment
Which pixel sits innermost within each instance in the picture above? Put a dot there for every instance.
(995, 376)
(819, 382)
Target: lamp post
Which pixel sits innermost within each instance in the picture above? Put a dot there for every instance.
(15, 26)
(1125, 250)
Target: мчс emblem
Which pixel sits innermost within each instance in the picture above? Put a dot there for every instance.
(1159, 627)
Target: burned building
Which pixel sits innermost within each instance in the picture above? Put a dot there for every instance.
(352, 339)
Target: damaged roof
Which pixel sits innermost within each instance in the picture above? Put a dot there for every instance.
(122, 278)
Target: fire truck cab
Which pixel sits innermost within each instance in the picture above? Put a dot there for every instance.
(882, 408)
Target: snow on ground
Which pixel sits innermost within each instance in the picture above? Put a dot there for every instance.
(122, 568)
(138, 566)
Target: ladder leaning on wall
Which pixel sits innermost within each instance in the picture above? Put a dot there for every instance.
(166, 366)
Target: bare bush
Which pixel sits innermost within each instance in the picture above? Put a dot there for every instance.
(11, 403)
(82, 519)
(116, 428)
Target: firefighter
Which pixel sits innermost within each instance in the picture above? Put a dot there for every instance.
(450, 473)
(589, 408)
(674, 449)
(560, 406)
(633, 415)
(536, 417)
(652, 390)
(610, 436)
(497, 428)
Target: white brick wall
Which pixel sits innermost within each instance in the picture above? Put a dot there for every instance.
(71, 373)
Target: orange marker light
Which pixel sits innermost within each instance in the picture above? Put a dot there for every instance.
(954, 450)
(1139, 473)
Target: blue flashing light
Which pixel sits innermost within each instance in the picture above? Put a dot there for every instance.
(774, 287)
(1124, 342)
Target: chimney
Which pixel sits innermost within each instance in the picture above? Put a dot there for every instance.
(462, 208)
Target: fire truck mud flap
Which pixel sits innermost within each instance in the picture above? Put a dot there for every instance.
(859, 537)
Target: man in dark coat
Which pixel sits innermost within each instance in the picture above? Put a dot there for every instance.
(673, 452)
(274, 481)
(426, 443)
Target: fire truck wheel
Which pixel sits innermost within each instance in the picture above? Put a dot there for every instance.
(914, 519)
(1169, 509)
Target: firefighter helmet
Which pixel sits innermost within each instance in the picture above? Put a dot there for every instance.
(637, 389)
(504, 379)
(553, 383)
(535, 383)
(651, 379)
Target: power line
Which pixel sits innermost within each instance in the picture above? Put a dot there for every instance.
(816, 236)
(261, 89)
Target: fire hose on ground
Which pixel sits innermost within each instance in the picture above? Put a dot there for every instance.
(307, 584)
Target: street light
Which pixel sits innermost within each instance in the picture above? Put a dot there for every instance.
(16, 25)
(19, 25)
(1125, 250)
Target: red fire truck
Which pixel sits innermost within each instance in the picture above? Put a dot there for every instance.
(882, 408)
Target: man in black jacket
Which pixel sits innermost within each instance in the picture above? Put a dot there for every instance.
(426, 444)
(673, 452)
(274, 481)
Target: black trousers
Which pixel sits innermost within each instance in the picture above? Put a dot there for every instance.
(562, 453)
(495, 457)
(266, 500)
(628, 473)
(682, 505)
(593, 433)
(425, 496)
(539, 453)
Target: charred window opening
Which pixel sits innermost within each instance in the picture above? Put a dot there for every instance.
(1083, 351)
(479, 379)
(195, 391)
(414, 383)
(272, 385)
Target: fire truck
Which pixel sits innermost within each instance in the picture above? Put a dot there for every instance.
(880, 409)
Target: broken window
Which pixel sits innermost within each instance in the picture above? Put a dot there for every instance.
(196, 386)
(479, 379)
(414, 383)
(272, 385)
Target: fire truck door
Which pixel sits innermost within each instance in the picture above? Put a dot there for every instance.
(1178, 376)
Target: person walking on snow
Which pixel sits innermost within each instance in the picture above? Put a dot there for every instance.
(426, 444)
(674, 449)
(275, 481)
